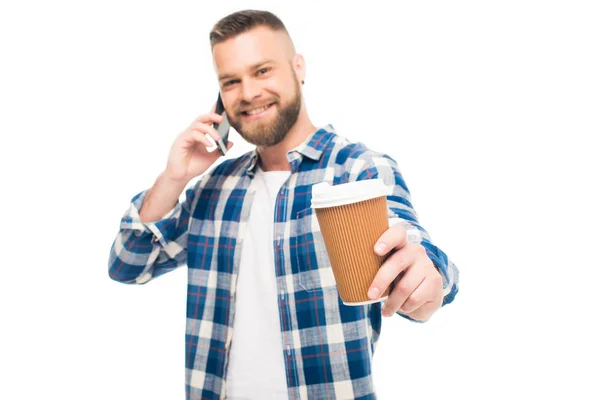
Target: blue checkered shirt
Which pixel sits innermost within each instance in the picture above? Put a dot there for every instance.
(328, 346)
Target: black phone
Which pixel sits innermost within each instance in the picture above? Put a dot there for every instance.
(222, 128)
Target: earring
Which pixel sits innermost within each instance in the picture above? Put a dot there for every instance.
(303, 82)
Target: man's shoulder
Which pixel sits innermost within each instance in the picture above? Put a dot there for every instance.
(347, 151)
(356, 161)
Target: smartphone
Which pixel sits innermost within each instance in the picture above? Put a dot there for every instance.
(223, 127)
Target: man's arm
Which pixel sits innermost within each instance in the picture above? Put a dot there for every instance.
(373, 165)
(152, 238)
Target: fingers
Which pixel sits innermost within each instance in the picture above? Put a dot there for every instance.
(425, 312)
(210, 118)
(425, 300)
(193, 136)
(403, 289)
(390, 269)
(206, 129)
(418, 293)
(422, 295)
(196, 136)
(393, 238)
(203, 125)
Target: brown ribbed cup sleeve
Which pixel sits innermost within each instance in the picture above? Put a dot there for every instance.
(350, 233)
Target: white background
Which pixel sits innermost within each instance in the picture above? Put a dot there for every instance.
(490, 108)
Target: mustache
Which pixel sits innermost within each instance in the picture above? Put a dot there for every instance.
(245, 106)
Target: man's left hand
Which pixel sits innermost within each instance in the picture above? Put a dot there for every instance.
(418, 288)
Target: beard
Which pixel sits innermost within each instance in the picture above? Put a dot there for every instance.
(270, 133)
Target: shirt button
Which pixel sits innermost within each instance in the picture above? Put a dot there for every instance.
(282, 293)
(289, 349)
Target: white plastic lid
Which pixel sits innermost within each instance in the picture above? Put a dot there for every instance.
(326, 195)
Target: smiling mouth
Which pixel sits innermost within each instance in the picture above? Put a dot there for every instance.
(256, 111)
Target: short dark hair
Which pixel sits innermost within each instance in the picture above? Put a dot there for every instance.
(243, 21)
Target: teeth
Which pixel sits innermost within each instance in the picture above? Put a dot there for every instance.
(257, 110)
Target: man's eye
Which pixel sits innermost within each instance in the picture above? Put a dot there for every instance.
(229, 83)
(263, 71)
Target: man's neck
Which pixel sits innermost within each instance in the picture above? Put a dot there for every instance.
(274, 158)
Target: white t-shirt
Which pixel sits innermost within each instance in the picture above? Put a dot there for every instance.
(256, 367)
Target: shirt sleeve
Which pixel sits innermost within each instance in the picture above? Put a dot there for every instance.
(401, 212)
(142, 251)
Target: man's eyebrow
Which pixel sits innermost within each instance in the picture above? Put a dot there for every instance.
(252, 67)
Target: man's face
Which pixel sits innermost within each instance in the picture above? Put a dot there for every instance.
(259, 86)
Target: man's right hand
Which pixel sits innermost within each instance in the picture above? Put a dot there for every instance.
(189, 156)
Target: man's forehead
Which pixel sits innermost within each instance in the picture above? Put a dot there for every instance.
(251, 48)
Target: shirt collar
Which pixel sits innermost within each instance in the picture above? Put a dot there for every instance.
(312, 147)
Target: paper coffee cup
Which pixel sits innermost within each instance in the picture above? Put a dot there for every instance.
(352, 217)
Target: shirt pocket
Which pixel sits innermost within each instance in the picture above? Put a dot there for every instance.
(312, 261)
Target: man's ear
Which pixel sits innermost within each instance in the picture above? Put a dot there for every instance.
(299, 67)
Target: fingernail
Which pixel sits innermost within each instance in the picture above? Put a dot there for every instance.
(373, 293)
(380, 248)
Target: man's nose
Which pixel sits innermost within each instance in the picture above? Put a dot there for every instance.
(250, 90)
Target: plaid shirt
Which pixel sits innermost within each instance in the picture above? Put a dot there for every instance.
(328, 346)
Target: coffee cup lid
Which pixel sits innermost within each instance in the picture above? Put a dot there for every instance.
(326, 195)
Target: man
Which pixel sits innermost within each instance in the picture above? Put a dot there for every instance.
(264, 319)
